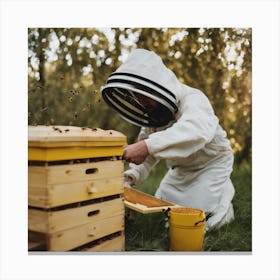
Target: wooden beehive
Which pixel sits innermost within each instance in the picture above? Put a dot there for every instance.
(75, 189)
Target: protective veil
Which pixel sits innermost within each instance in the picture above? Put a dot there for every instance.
(194, 145)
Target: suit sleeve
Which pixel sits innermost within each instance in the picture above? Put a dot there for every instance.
(194, 128)
(141, 171)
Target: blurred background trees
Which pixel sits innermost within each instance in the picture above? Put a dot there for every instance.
(67, 67)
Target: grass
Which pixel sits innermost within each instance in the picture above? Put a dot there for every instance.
(150, 232)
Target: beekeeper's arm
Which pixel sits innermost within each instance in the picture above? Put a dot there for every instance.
(195, 128)
(137, 173)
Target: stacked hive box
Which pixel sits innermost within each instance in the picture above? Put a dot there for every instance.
(75, 189)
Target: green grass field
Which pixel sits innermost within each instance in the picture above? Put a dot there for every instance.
(150, 232)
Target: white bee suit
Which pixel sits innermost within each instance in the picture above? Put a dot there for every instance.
(194, 145)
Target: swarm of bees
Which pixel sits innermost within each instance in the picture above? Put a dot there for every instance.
(44, 115)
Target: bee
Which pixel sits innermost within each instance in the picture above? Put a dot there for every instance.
(44, 109)
(110, 132)
(56, 129)
(84, 128)
(94, 129)
(70, 99)
(66, 130)
(61, 78)
(76, 115)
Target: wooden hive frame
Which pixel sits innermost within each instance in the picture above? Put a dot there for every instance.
(145, 203)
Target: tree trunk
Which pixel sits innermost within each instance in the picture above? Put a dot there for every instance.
(42, 81)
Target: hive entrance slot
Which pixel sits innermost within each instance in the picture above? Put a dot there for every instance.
(92, 213)
(91, 170)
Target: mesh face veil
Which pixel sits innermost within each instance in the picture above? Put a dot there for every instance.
(125, 92)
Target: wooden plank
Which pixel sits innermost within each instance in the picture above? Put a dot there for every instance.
(136, 196)
(69, 173)
(66, 153)
(116, 244)
(54, 221)
(71, 238)
(82, 144)
(144, 209)
(61, 194)
(39, 197)
(38, 221)
(145, 203)
(37, 176)
(63, 134)
(111, 243)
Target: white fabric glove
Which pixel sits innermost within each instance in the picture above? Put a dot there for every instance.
(129, 179)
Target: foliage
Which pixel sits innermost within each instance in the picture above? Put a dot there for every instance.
(67, 67)
(149, 232)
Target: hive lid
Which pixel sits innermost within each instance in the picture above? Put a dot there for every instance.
(45, 134)
(52, 143)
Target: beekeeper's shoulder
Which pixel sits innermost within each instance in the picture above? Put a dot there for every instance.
(193, 96)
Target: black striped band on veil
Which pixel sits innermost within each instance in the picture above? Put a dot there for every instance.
(119, 94)
(144, 84)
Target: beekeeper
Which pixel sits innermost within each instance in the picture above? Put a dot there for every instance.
(178, 124)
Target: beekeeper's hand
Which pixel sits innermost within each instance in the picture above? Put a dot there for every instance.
(129, 179)
(136, 153)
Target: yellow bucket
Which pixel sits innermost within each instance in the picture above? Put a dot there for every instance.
(186, 229)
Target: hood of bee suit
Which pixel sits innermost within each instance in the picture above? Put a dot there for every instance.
(144, 74)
